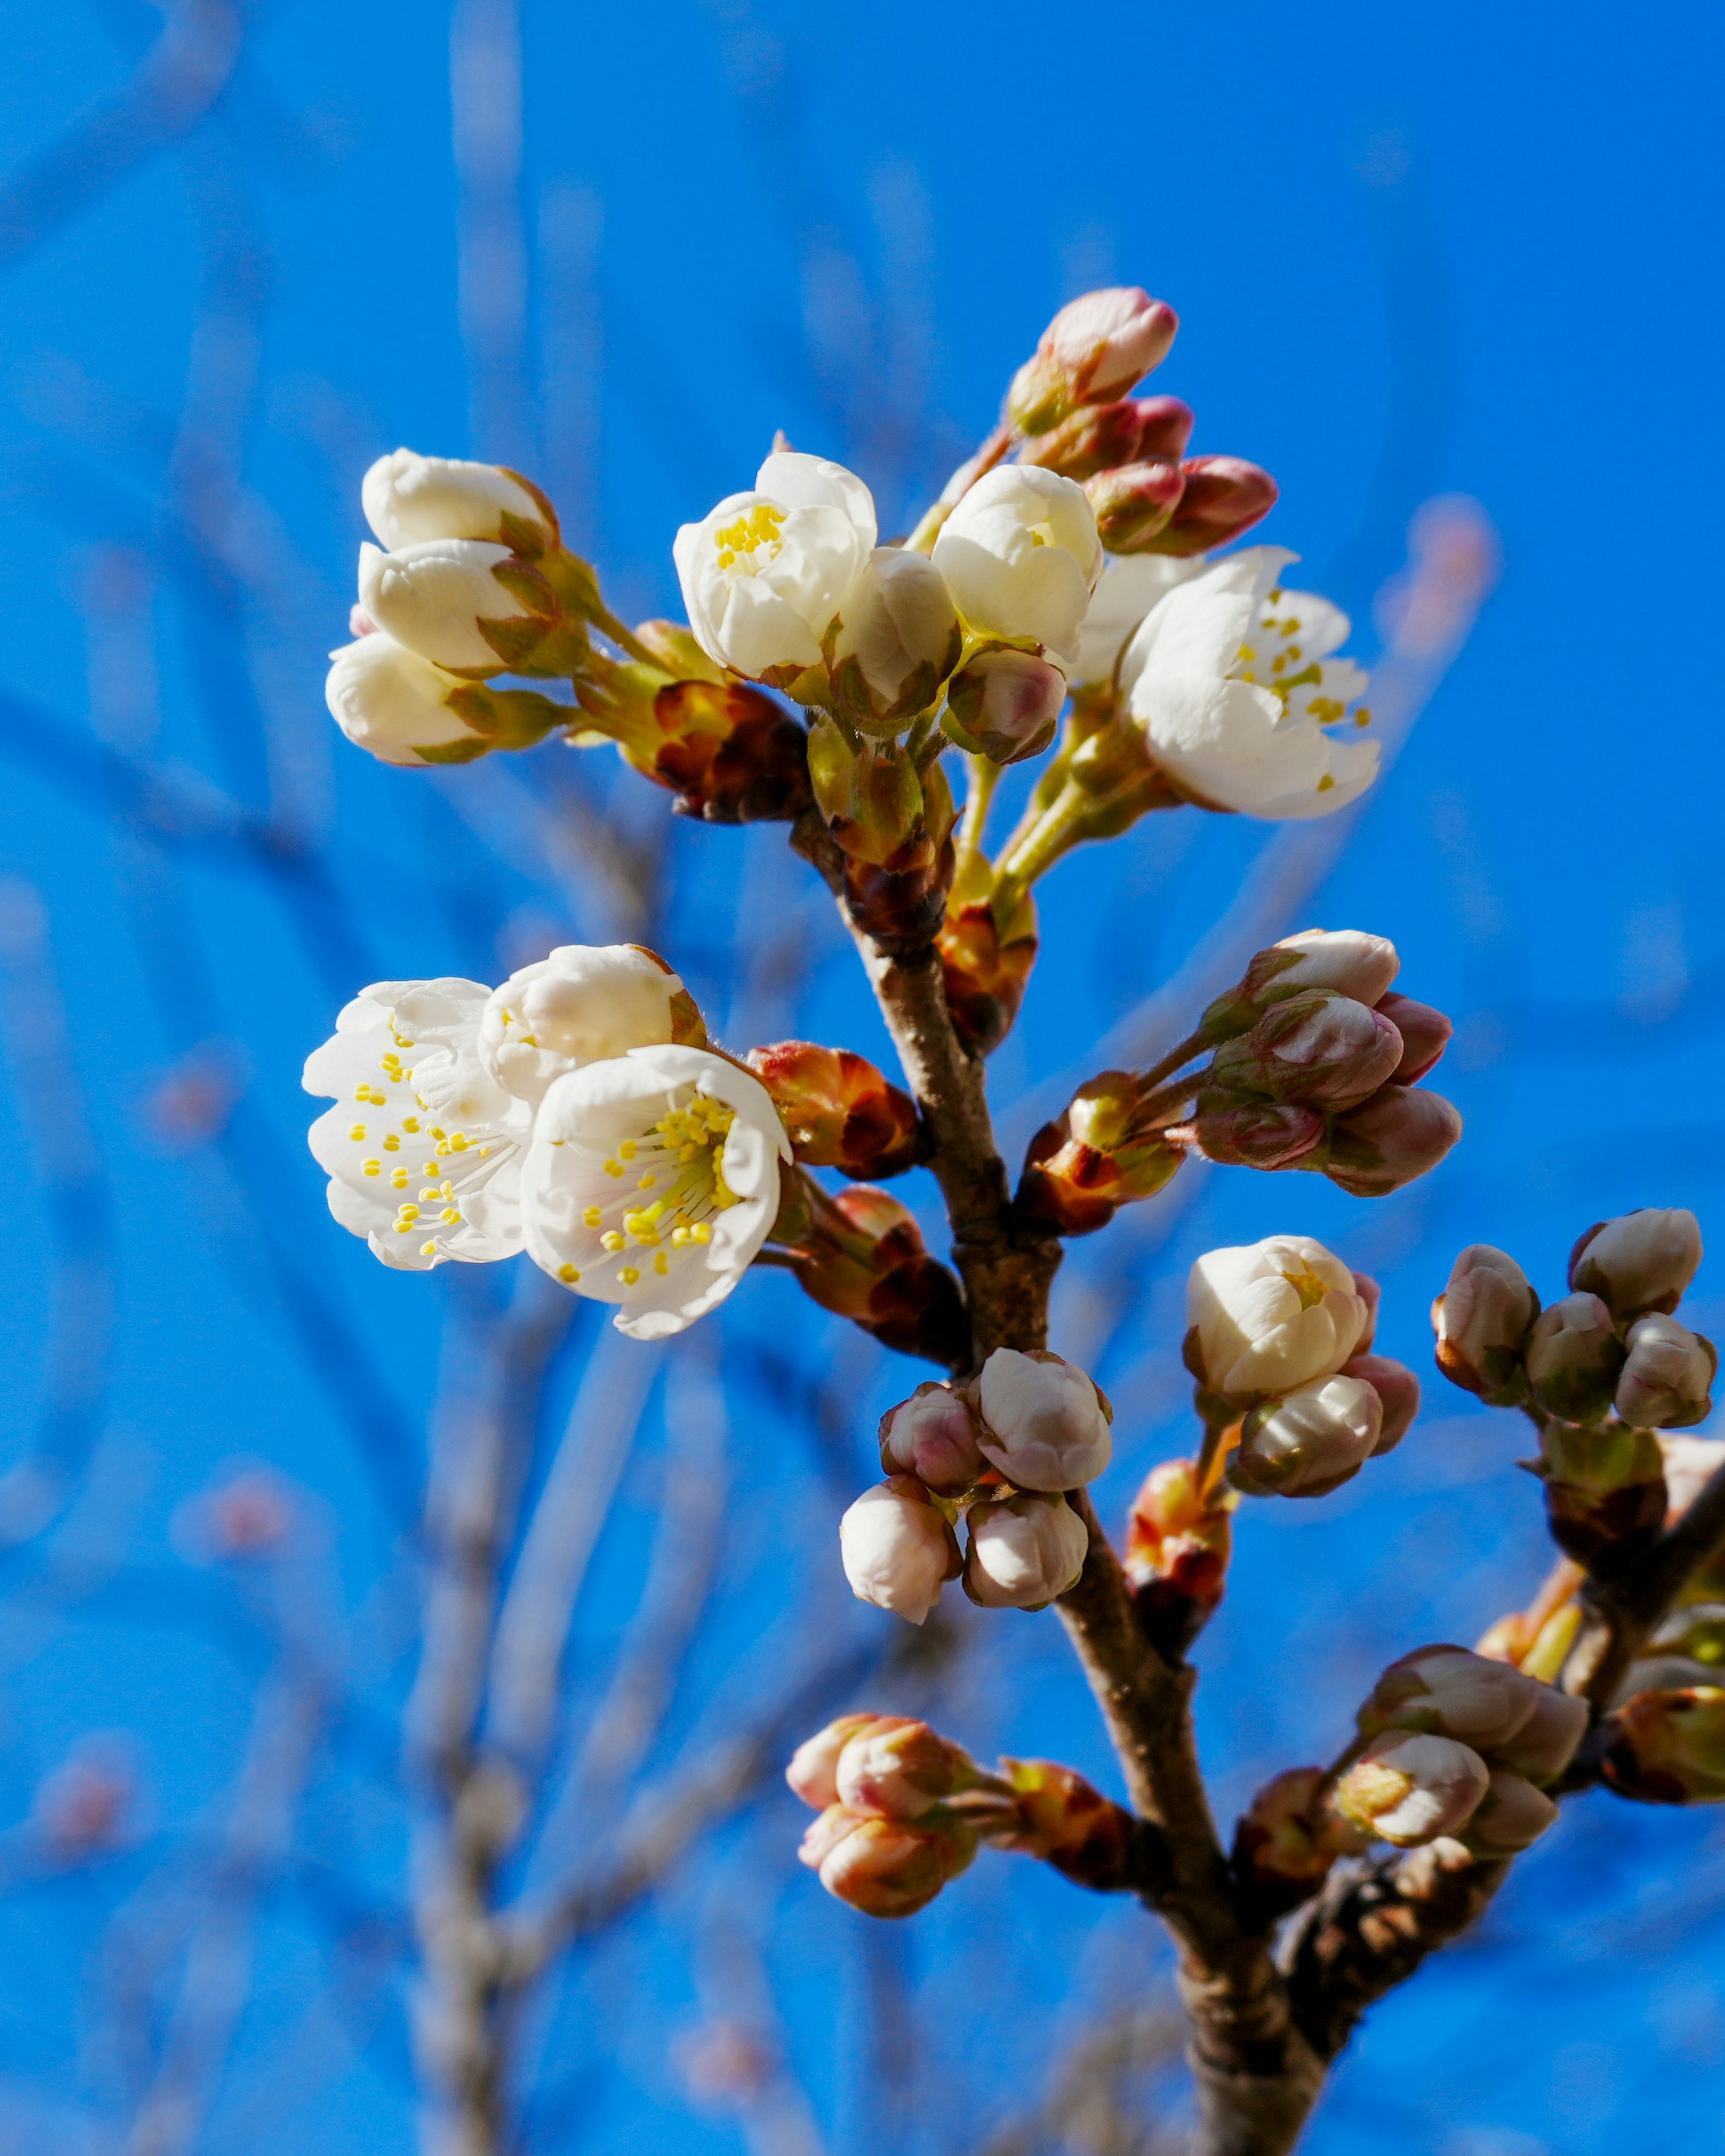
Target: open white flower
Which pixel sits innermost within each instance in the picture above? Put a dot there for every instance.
(764, 573)
(468, 605)
(651, 1182)
(408, 498)
(1230, 678)
(394, 704)
(584, 1004)
(1270, 1315)
(1045, 1427)
(1129, 586)
(1021, 556)
(423, 1148)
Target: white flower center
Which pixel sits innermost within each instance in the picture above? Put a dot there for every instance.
(676, 1175)
(453, 1161)
(753, 542)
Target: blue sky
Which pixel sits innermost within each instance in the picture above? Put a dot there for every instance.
(1414, 252)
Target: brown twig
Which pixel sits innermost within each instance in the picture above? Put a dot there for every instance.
(1618, 1614)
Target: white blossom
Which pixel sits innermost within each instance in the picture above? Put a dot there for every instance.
(897, 1548)
(1313, 1437)
(651, 1182)
(408, 498)
(441, 596)
(893, 640)
(423, 1148)
(583, 1003)
(1045, 1428)
(1230, 678)
(1273, 1315)
(392, 703)
(1024, 1551)
(1021, 556)
(1129, 587)
(764, 573)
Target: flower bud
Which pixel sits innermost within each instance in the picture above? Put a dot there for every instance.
(1399, 1133)
(895, 829)
(1100, 437)
(1482, 1319)
(1318, 1047)
(1021, 557)
(581, 1004)
(986, 969)
(1668, 1376)
(1425, 1034)
(1397, 1391)
(1079, 1170)
(1004, 705)
(1309, 1442)
(401, 708)
(898, 1550)
(1346, 961)
(1545, 1744)
(886, 1867)
(1068, 1824)
(838, 1111)
(814, 1772)
(901, 1768)
(1572, 1359)
(1259, 1134)
(1135, 504)
(729, 753)
(1221, 497)
(1641, 1262)
(862, 1256)
(1447, 1692)
(1045, 1426)
(893, 642)
(409, 498)
(468, 605)
(1288, 1837)
(933, 1436)
(1669, 1747)
(1267, 1317)
(1510, 1817)
(1095, 348)
(1024, 1551)
(1177, 1544)
(1410, 1789)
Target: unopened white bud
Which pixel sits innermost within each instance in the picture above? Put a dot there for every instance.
(443, 599)
(897, 1548)
(1024, 1551)
(1410, 1789)
(1309, 1441)
(394, 704)
(1511, 1816)
(1020, 556)
(1643, 1262)
(1667, 1382)
(1044, 1423)
(408, 498)
(893, 640)
(933, 1436)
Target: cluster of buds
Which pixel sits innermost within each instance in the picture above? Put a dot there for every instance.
(1315, 1063)
(860, 1254)
(1279, 1338)
(996, 1453)
(903, 1811)
(1451, 1745)
(1601, 1370)
(1128, 453)
(1179, 1536)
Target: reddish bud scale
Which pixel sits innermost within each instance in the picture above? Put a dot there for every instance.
(1074, 1187)
(838, 1109)
(1287, 1841)
(986, 976)
(1068, 1824)
(1178, 1545)
(1669, 1748)
(870, 1265)
(731, 755)
(1099, 437)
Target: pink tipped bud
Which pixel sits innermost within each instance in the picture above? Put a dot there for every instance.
(1099, 437)
(1510, 1817)
(901, 1769)
(1667, 1378)
(1095, 348)
(933, 1436)
(886, 1867)
(1670, 1747)
(1482, 1319)
(1397, 1391)
(1425, 1034)
(1572, 1359)
(1411, 1789)
(1399, 1133)
(1135, 504)
(1642, 1262)
(1346, 961)
(1309, 1442)
(1322, 1049)
(814, 1772)
(1221, 497)
(1006, 705)
(1251, 1133)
